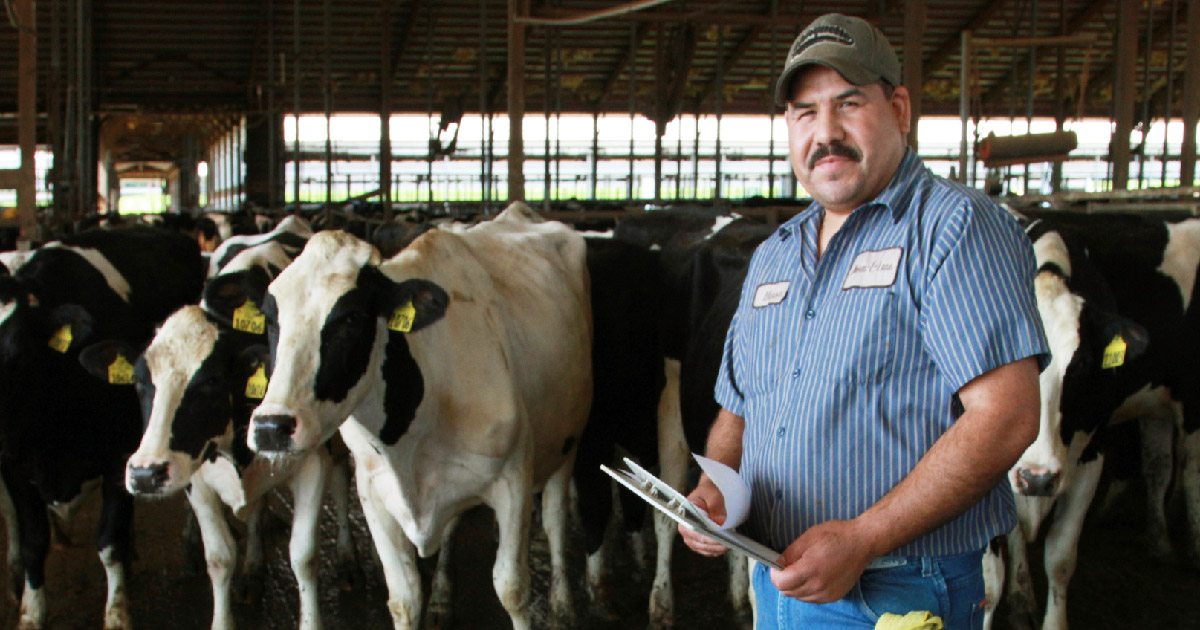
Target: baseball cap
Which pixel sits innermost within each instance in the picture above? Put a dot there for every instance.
(853, 47)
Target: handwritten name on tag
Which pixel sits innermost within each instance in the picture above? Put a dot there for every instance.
(768, 294)
(874, 269)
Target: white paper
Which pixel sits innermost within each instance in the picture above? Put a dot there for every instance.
(672, 503)
(732, 487)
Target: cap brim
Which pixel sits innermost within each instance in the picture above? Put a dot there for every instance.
(852, 73)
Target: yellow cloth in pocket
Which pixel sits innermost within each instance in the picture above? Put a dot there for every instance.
(916, 620)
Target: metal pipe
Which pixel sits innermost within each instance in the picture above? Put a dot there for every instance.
(964, 100)
(1170, 89)
(591, 16)
(296, 103)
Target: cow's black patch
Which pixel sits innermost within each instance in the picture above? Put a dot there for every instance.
(405, 389)
(347, 337)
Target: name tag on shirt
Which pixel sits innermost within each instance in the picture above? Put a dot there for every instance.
(768, 294)
(874, 269)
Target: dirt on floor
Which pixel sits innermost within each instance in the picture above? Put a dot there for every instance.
(1116, 585)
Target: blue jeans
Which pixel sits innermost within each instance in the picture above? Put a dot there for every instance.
(950, 587)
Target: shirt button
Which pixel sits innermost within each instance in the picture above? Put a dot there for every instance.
(778, 493)
(810, 314)
(796, 373)
(780, 431)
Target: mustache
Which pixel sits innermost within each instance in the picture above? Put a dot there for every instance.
(838, 148)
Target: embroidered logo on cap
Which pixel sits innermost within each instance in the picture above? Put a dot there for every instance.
(819, 34)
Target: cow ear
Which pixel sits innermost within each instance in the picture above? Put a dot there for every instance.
(237, 296)
(1121, 339)
(70, 326)
(412, 305)
(110, 360)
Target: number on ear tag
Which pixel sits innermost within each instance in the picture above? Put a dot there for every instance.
(402, 318)
(247, 318)
(120, 371)
(256, 385)
(61, 340)
(1114, 354)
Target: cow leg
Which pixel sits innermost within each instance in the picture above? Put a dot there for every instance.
(33, 527)
(1191, 487)
(1062, 540)
(739, 589)
(441, 590)
(308, 488)
(113, 543)
(673, 460)
(993, 580)
(510, 498)
(555, 513)
(1019, 592)
(13, 556)
(1157, 466)
(599, 571)
(220, 549)
(339, 489)
(250, 582)
(396, 555)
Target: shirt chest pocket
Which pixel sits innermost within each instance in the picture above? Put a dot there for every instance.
(859, 337)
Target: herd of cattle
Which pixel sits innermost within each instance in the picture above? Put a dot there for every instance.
(489, 363)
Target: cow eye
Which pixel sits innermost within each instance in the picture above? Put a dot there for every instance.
(356, 319)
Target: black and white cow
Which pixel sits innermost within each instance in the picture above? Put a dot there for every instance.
(59, 426)
(199, 380)
(1114, 294)
(290, 236)
(701, 260)
(463, 360)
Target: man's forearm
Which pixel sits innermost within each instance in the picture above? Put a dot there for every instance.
(725, 439)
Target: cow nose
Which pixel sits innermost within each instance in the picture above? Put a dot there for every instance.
(273, 433)
(1037, 482)
(147, 479)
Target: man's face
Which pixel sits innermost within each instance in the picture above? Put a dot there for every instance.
(845, 140)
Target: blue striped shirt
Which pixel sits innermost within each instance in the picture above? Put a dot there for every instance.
(844, 368)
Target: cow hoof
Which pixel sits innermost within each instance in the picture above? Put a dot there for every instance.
(347, 576)
(249, 589)
(744, 619)
(436, 617)
(604, 610)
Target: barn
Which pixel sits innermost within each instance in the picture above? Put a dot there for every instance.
(450, 257)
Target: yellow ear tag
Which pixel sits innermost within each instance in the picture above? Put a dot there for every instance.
(120, 371)
(256, 385)
(61, 340)
(247, 318)
(402, 318)
(1114, 354)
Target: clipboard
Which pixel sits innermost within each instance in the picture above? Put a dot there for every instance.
(671, 502)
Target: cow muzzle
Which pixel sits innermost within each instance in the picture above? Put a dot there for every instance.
(272, 433)
(1037, 482)
(149, 479)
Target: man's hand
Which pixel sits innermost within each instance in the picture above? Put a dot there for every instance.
(823, 564)
(707, 497)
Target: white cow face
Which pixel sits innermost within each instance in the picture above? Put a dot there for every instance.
(1073, 386)
(192, 382)
(327, 318)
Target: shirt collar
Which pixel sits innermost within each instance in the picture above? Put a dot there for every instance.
(896, 196)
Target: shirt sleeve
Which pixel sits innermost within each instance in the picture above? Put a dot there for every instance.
(727, 392)
(979, 311)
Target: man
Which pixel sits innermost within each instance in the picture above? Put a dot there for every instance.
(881, 372)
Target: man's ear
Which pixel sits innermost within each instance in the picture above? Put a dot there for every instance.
(237, 292)
(110, 360)
(408, 306)
(902, 107)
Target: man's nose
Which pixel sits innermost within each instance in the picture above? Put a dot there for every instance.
(827, 127)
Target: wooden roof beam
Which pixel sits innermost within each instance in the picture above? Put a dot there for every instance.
(627, 58)
(952, 46)
(1080, 20)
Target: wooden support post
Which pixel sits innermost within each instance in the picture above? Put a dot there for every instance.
(913, 78)
(27, 120)
(1124, 89)
(516, 100)
(1191, 97)
(385, 110)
